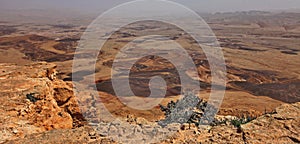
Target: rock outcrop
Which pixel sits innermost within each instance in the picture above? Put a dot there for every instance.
(33, 101)
(283, 126)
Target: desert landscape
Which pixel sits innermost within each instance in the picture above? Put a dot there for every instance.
(39, 105)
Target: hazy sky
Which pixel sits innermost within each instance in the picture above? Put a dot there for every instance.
(198, 5)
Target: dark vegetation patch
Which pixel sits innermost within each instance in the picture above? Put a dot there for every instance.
(7, 30)
(289, 52)
(240, 47)
(34, 53)
(240, 121)
(32, 98)
(68, 47)
(38, 38)
(69, 40)
(83, 28)
(288, 92)
(67, 31)
(63, 26)
(250, 49)
(58, 58)
(37, 54)
(6, 43)
(291, 36)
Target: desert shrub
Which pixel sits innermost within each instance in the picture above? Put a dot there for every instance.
(189, 109)
(32, 98)
(238, 122)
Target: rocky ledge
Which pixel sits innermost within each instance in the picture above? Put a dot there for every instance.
(34, 101)
(36, 107)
